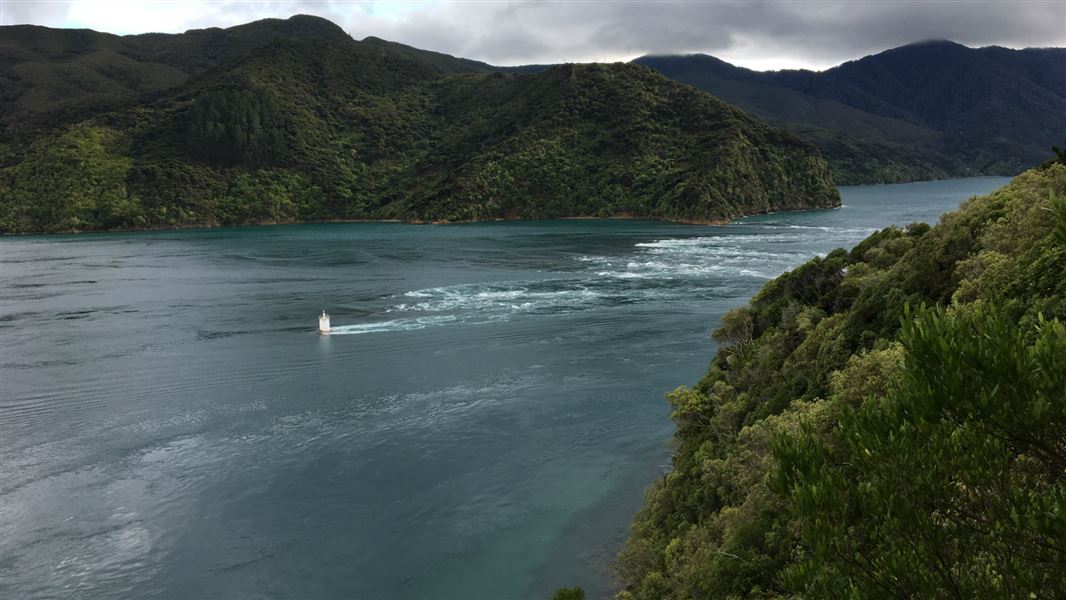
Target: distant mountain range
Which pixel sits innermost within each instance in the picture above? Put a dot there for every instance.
(927, 110)
(293, 120)
(288, 120)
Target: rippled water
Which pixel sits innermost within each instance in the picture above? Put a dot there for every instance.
(171, 426)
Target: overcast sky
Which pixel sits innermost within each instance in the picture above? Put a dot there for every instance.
(758, 35)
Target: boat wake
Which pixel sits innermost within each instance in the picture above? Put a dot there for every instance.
(393, 325)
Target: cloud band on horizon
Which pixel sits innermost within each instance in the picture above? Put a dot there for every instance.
(760, 35)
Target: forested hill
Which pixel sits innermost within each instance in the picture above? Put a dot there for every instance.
(921, 111)
(884, 422)
(291, 120)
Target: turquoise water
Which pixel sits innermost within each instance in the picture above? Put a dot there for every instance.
(482, 426)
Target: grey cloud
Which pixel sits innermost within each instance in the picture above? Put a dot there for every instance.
(766, 34)
(818, 33)
(37, 13)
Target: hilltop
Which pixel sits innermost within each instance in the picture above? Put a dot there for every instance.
(292, 120)
(927, 110)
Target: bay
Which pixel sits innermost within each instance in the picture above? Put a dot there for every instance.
(480, 425)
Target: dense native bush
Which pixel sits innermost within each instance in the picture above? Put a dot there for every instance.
(235, 127)
(73, 180)
(915, 457)
(334, 129)
(951, 484)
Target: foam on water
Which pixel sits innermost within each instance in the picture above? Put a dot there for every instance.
(514, 296)
(664, 270)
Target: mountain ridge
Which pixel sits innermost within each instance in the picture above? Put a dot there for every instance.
(306, 128)
(929, 109)
(869, 131)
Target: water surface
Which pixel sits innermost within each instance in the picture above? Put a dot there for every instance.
(481, 428)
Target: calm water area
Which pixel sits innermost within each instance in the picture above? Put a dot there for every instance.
(481, 424)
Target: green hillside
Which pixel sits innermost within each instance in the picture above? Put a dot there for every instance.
(922, 111)
(848, 442)
(280, 121)
(62, 75)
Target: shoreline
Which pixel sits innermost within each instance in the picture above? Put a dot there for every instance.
(617, 217)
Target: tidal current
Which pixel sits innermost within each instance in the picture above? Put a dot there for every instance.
(480, 426)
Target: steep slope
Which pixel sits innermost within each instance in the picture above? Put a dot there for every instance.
(759, 93)
(446, 63)
(827, 453)
(326, 127)
(991, 102)
(933, 109)
(860, 147)
(609, 139)
(54, 76)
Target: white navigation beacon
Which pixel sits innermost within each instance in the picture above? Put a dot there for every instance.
(323, 323)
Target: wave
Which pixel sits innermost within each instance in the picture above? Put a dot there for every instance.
(653, 271)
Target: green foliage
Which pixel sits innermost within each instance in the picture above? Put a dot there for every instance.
(1058, 207)
(322, 127)
(736, 330)
(950, 485)
(235, 127)
(1060, 156)
(866, 374)
(57, 77)
(574, 593)
(267, 196)
(71, 181)
(918, 112)
(825, 339)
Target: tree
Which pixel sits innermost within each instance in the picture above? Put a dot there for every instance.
(953, 484)
(574, 593)
(235, 127)
(736, 331)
